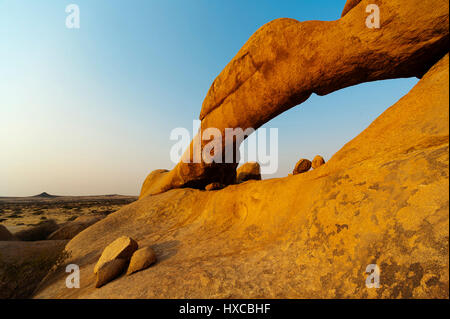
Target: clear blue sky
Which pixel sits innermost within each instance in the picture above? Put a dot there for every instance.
(90, 111)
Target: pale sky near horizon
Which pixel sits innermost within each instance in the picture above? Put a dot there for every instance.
(89, 111)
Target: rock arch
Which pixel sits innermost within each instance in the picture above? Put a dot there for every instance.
(285, 61)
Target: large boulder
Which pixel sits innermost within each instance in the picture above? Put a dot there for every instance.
(5, 235)
(382, 199)
(248, 171)
(121, 248)
(286, 61)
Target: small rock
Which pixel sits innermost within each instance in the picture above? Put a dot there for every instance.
(141, 259)
(122, 248)
(214, 186)
(248, 171)
(302, 166)
(317, 161)
(109, 271)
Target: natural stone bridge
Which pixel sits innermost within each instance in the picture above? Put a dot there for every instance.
(382, 199)
(286, 61)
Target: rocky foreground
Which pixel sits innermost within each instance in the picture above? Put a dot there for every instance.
(34, 231)
(382, 199)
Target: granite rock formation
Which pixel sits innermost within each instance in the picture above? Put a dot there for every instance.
(302, 166)
(121, 248)
(382, 199)
(317, 162)
(141, 259)
(286, 61)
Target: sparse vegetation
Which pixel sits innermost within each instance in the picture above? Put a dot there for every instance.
(34, 219)
(21, 214)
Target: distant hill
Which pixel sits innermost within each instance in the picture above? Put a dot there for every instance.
(45, 195)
